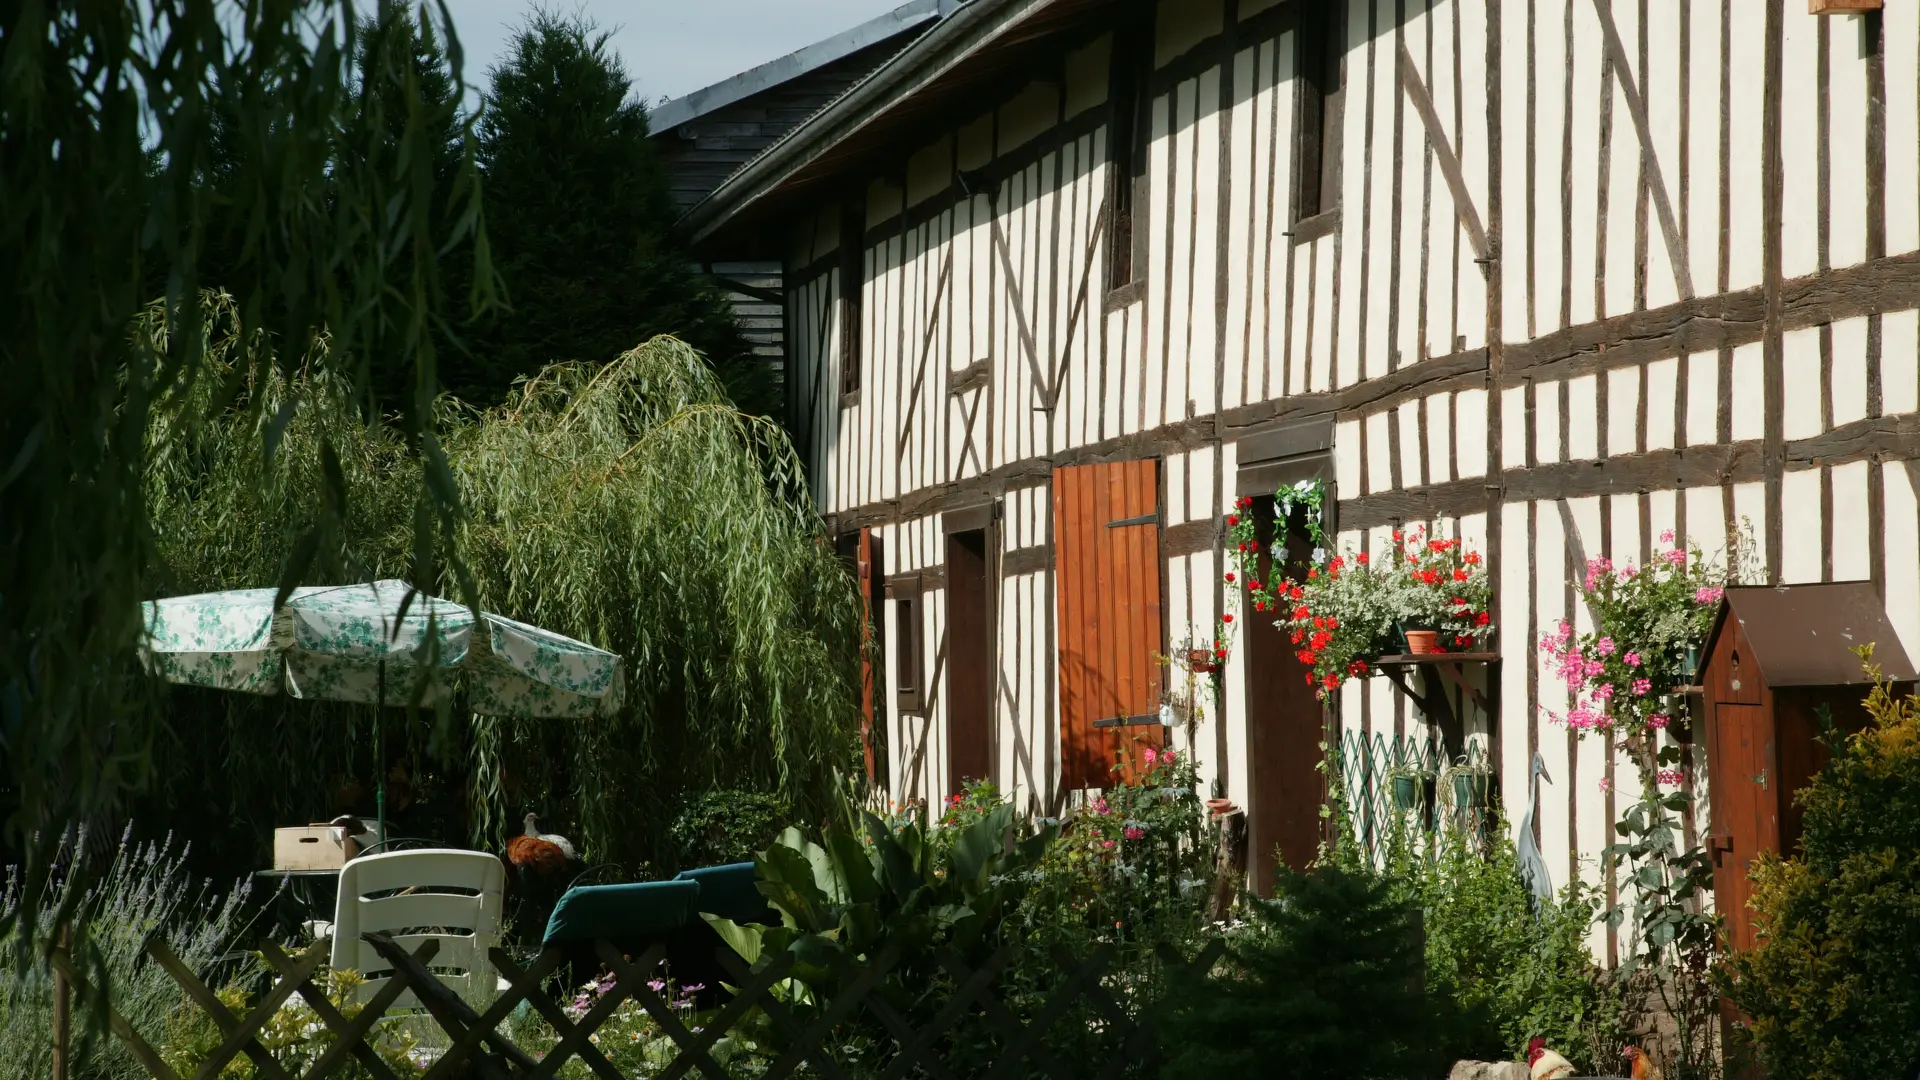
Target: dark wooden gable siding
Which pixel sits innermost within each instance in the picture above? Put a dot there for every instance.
(705, 150)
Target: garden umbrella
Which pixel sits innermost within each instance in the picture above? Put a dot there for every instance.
(354, 643)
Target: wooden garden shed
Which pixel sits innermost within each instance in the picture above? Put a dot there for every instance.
(1775, 656)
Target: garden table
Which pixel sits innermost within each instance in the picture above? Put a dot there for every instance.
(311, 893)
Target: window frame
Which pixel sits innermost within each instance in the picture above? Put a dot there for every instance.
(904, 593)
(1320, 77)
(1129, 107)
(852, 289)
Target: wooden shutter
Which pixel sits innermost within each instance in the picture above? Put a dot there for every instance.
(1107, 557)
(868, 572)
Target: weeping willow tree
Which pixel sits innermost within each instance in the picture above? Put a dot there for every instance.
(627, 504)
(134, 139)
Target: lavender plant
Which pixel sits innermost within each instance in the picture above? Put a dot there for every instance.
(146, 889)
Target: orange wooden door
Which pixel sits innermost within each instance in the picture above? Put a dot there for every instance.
(1743, 805)
(1107, 560)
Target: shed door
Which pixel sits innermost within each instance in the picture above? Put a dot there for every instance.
(1743, 803)
(1107, 557)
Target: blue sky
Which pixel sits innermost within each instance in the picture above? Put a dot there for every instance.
(672, 47)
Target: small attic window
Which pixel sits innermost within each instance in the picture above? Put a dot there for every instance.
(1130, 70)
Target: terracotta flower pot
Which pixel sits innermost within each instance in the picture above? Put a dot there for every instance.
(1423, 642)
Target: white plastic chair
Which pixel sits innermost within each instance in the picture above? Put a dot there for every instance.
(444, 895)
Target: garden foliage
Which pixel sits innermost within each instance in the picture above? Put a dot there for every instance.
(1512, 969)
(108, 113)
(1833, 989)
(1345, 610)
(1326, 982)
(723, 827)
(624, 503)
(294, 1034)
(146, 889)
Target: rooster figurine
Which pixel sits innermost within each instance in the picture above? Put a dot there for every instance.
(1544, 1064)
(1642, 1066)
(536, 856)
(539, 868)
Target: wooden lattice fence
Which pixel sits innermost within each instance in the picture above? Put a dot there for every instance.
(803, 1046)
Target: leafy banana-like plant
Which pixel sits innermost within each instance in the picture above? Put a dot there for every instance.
(854, 896)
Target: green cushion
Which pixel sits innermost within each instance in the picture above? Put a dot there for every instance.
(622, 912)
(729, 891)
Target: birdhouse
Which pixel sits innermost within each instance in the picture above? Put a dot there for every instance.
(1775, 657)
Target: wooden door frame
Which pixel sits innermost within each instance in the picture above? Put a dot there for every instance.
(1304, 453)
(984, 519)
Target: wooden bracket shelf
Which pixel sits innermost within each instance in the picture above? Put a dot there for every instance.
(1450, 667)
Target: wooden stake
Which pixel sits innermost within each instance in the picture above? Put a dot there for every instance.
(62, 1010)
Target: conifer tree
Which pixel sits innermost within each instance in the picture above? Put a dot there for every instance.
(581, 221)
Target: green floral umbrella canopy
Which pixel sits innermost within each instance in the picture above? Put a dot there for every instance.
(328, 643)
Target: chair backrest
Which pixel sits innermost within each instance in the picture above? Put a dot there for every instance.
(443, 895)
(731, 892)
(622, 912)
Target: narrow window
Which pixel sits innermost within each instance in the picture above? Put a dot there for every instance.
(907, 652)
(853, 279)
(1131, 66)
(1322, 81)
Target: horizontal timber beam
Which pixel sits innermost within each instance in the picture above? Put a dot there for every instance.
(1456, 371)
(1708, 323)
(1875, 439)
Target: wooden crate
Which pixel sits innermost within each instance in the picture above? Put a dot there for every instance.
(1841, 7)
(310, 847)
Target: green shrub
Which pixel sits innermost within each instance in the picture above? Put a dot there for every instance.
(1132, 870)
(294, 1035)
(1512, 968)
(727, 827)
(1833, 988)
(1325, 984)
(1517, 970)
(146, 889)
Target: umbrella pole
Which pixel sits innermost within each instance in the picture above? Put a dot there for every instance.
(380, 758)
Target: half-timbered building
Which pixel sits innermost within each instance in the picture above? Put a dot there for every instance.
(1067, 277)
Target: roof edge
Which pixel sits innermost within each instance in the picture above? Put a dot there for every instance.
(956, 36)
(689, 107)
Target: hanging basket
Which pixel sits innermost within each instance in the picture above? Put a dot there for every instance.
(1470, 790)
(1202, 661)
(1408, 792)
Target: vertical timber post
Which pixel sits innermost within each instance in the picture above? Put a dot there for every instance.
(63, 1009)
